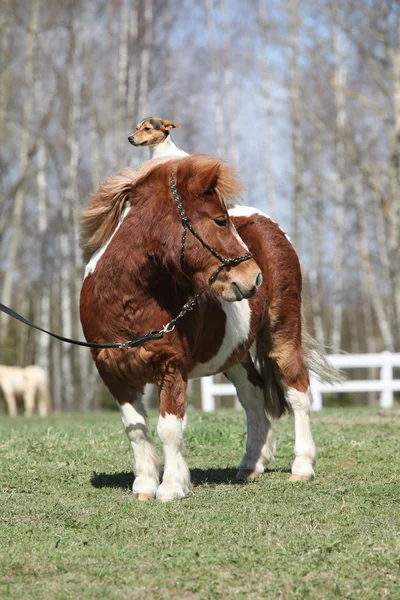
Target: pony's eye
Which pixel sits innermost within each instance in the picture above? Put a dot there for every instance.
(221, 221)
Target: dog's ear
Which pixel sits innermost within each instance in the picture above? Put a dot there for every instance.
(167, 124)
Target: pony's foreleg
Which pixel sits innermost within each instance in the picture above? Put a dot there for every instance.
(295, 383)
(260, 445)
(171, 425)
(145, 460)
(11, 401)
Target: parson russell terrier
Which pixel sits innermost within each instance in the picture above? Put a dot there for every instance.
(156, 134)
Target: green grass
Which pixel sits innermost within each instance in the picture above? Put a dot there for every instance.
(70, 528)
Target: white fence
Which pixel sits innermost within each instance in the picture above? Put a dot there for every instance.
(386, 385)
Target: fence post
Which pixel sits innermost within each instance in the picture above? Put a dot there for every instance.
(386, 378)
(315, 392)
(207, 395)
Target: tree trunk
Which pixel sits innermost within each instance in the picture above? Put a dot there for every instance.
(145, 60)
(18, 206)
(233, 117)
(123, 79)
(132, 155)
(70, 258)
(394, 204)
(4, 72)
(268, 149)
(296, 111)
(369, 285)
(339, 80)
(43, 358)
(216, 78)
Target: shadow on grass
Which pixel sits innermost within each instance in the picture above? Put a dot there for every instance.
(198, 477)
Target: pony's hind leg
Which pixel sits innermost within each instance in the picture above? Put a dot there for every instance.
(171, 425)
(260, 445)
(145, 460)
(295, 383)
(29, 399)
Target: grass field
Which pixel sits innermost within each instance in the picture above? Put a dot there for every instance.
(70, 529)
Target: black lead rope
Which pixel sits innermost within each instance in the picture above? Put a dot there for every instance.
(154, 334)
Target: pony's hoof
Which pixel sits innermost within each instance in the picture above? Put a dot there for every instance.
(295, 477)
(247, 474)
(168, 494)
(145, 497)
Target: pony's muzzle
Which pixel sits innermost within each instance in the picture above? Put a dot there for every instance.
(241, 289)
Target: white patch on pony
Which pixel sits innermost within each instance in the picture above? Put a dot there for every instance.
(248, 211)
(239, 239)
(145, 460)
(90, 267)
(260, 444)
(304, 447)
(237, 331)
(176, 479)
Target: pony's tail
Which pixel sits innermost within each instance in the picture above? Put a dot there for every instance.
(274, 397)
(314, 360)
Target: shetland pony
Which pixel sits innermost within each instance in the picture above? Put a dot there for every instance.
(27, 383)
(135, 282)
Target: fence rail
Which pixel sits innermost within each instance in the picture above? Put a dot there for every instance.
(385, 361)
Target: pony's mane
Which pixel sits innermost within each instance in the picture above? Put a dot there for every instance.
(99, 219)
(228, 185)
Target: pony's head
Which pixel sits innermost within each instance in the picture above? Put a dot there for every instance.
(205, 186)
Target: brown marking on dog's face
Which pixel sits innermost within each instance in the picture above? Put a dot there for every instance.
(151, 131)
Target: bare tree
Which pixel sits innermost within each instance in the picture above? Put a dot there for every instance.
(18, 206)
(232, 112)
(296, 112)
(143, 100)
(339, 80)
(215, 70)
(266, 74)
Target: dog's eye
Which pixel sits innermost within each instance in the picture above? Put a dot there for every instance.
(147, 128)
(221, 221)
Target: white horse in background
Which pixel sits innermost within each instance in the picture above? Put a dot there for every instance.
(26, 383)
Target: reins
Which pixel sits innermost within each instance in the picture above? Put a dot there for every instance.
(154, 334)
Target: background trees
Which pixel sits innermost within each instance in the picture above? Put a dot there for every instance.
(303, 97)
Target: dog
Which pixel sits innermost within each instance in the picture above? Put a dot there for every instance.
(155, 133)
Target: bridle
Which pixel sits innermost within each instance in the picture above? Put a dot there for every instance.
(154, 334)
(187, 226)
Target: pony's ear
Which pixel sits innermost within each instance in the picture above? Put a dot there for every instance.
(199, 174)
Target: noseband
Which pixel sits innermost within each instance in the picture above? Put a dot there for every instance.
(225, 262)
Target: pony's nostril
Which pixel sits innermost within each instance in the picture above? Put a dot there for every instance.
(259, 280)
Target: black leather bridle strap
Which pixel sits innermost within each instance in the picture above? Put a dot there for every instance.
(225, 262)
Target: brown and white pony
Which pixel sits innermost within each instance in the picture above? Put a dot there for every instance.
(28, 384)
(134, 282)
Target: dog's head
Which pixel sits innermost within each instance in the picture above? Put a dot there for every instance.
(151, 131)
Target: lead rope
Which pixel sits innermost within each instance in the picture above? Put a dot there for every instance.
(154, 334)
